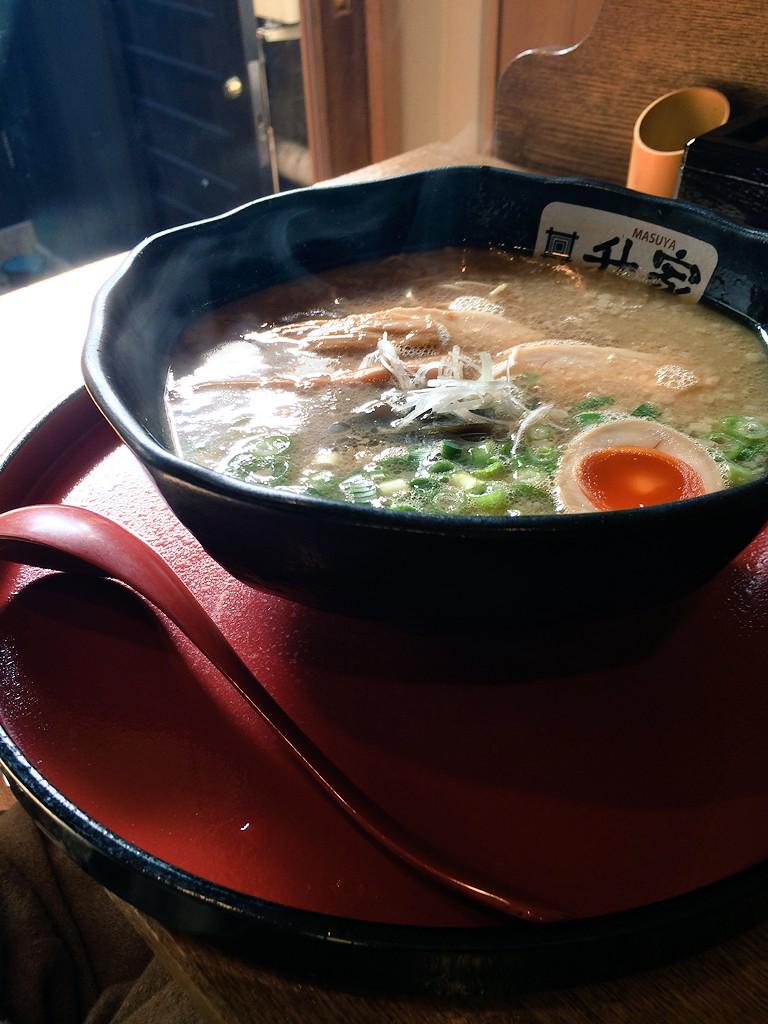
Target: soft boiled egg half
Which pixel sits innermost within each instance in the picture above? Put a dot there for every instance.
(632, 464)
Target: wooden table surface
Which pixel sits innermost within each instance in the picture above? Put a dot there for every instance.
(41, 333)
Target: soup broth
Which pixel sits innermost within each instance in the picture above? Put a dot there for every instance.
(473, 383)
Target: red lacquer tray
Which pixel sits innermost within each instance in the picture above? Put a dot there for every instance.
(597, 766)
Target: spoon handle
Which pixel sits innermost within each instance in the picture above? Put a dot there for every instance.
(59, 536)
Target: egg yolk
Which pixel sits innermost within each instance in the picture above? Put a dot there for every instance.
(616, 478)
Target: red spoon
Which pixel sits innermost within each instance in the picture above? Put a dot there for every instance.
(77, 540)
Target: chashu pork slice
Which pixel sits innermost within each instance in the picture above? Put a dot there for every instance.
(568, 370)
(414, 331)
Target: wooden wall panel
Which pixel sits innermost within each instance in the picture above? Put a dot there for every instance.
(524, 25)
(334, 67)
(382, 29)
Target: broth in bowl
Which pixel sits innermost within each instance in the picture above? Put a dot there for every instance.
(473, 383)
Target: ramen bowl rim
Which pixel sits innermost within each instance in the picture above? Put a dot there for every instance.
(161, 458)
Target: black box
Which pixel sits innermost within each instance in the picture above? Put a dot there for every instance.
(727, 170)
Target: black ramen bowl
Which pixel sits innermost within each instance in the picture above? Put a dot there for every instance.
(369, 561)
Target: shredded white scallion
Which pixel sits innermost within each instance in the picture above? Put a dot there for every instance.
(372, 359)
(442, 388)
(391, 361)
(527, 421)
(424, 371)
(449, 392)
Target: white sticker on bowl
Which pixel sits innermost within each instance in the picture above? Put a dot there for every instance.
(597, 239)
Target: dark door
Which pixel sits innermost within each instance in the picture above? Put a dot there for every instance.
(13, 207)
(68, 130)
(200, 118)
(126, 116)
(13, 204)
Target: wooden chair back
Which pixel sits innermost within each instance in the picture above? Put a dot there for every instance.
(573, 112)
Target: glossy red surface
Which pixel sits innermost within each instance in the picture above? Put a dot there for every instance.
(599, 765)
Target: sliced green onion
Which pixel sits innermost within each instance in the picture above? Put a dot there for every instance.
(541, 432)
(441, 466)
(359, 490)
(519, 459)
(588, 419)
(263, 460)
(493, 469)
(593, 402)
(739, 474)
(425, 484)
(480, 456)
(745, 428)
(394, 461)
(735, 451)
(493, 502)
(448, 500)
(646, 411)
(522, 490)
(747, 452)
(452, 450)
(321, 483)
(274, 444)
(532, 477)
(544, 456)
